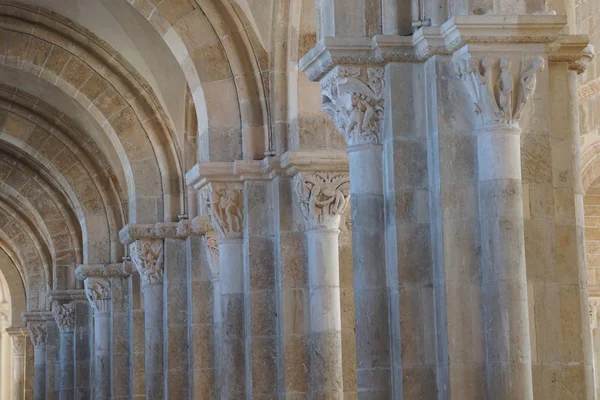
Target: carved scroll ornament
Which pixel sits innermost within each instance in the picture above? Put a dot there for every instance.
(325, 197)
(354, 99)
(497, 96)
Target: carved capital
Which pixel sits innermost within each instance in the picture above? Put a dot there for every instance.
(353, 97)
(64, 315)
(18, 346)
(212, 250)
(97, 291)
(147, 256)
(37, 333)
(225, 206)
(324, 196)
(594, 304)
(499, 94)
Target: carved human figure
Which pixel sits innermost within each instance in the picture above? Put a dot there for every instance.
(38, 334)
(528, 84)
(226, 211)
(505, 88)
(324, 196)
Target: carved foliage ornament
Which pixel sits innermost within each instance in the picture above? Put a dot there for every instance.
(64, 315)
(354, 99)
(498, 97)
(147, 256)
(325, 197)
(97, 292)
(37, 332)
(226, 210)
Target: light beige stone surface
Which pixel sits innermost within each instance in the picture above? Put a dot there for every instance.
(299, 199)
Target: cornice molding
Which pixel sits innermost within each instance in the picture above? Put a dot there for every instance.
(119, 270)
(455, 33)
(165, 230)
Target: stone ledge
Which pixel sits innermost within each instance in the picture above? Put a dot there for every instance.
(428, 41)
(123, 269)
(165, 230)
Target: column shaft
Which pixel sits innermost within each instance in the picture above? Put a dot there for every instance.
(39, 383)
(326, 378)
(154, 346)
(18, 376)
(101, 355)
(232, 357)
(66, 362)
(506, 326)
(370, 283)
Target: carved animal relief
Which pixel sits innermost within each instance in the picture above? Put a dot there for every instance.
(353, 99)
(324, 197)
(498, 97)
(147, 256)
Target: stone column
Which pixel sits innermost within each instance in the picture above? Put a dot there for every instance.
(147, 256)
(97, 291)
(324, 197)
(37, 333)
(64, 315)
(353, 98)
(500, 105)
(594, 305)
(226, 215)
(18, 362)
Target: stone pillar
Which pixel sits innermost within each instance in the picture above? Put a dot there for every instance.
(97, 291)
(18, 362)
(594, 304)
(227, 218)
(147, 256)
(64, 315)
(324, 197)
(37, 333)
(500, 105)
(353, 98)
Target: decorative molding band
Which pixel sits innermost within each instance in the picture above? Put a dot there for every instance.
(37, 316)
(66, 295)
(119, 270)
(165, 230)
(429, 41)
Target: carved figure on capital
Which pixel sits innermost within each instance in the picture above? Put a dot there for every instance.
(594, 304)
(325, 197)
(353, 98)
(147, 256)
(226, 209)
(18, 345)
(37, 333)
(491, 84)
(64, 315)
(97, 291)
(212, 247)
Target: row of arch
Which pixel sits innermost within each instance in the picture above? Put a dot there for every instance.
(89, 141)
